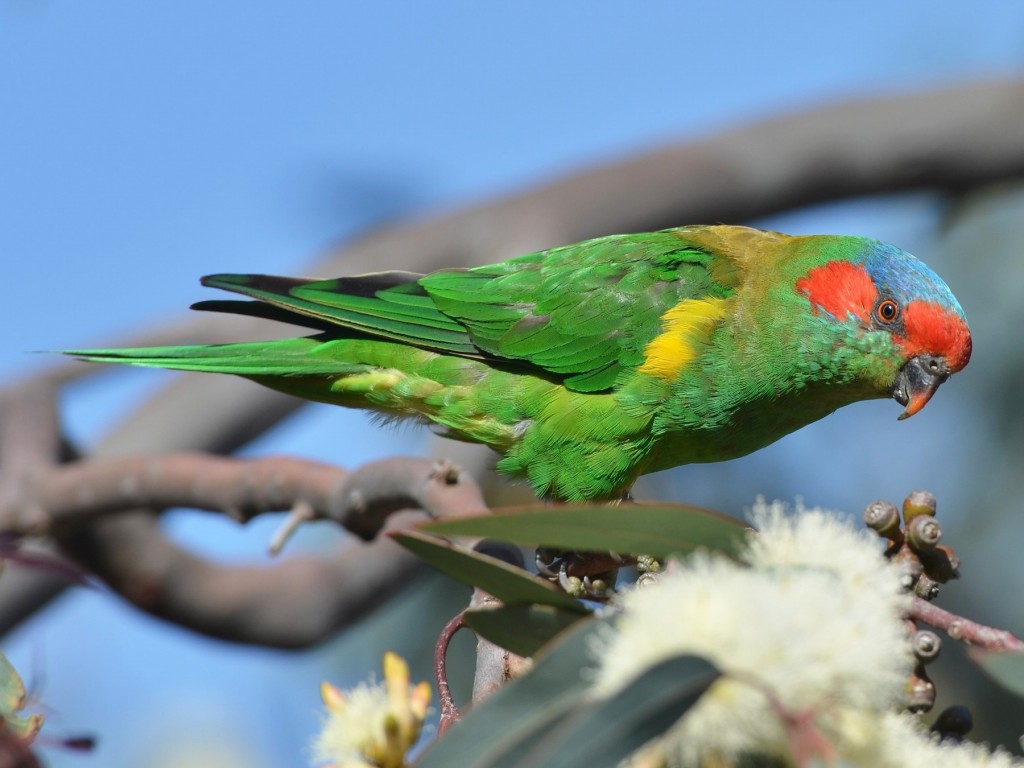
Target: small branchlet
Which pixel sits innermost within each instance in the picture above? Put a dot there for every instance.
(449, 711)
(913, 542)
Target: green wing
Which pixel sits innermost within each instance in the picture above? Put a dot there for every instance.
(583, 312)
(391, 305)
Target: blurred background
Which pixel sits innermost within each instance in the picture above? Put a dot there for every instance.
(143, 145)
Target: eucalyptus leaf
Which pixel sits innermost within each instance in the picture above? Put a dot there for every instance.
(609, 730)
(659, 530)
(522, 629)
(549, 718)
(509, 722)
(509, 584)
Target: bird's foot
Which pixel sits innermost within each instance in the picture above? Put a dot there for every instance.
(586, 575)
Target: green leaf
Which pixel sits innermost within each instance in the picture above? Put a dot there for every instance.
(513, 718)
(1007, 669)
(12, 700)
(659, 530)
(522, 629)
(511, 585)
(609, 730)
(545, 719)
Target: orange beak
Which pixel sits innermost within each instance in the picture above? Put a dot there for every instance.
(917, 381)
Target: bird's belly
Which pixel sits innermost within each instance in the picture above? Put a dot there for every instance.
(746, 428)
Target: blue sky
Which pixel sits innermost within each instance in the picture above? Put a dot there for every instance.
(142, 145)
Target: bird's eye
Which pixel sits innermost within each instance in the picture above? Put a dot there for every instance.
(887, 311)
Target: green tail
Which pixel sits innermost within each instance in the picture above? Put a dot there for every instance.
(308, 356)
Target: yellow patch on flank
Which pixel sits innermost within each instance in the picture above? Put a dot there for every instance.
(368, 382)
(687, 325)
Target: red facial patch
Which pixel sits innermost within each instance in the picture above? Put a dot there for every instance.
(931, 329)
(839, 288)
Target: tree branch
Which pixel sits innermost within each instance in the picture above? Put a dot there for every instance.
(294, 603)
(241, 489)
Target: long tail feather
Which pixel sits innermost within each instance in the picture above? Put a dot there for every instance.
(286, 357)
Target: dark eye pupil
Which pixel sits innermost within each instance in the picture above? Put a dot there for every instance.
(887, 310)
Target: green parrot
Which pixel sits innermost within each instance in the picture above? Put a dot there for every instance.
(588, 365)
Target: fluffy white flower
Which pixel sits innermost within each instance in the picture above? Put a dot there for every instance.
(351, 731)
(816, 538)
(374, 724)
(809, 626)
(901, 741)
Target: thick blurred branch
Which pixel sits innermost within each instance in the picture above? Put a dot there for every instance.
(359, 501)
(294, 603)
(945, 140)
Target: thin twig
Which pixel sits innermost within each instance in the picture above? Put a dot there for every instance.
(300, 514)
(959, 628)
(449, 711)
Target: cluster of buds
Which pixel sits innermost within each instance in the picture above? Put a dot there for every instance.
(913, 542)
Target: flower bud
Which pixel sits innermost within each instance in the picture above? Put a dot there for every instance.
(920, 692)
(923, 533)
(926, 645)
(953, 723)
(918, 503)
(883, 518)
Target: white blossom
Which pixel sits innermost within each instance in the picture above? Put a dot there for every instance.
(901, 740)
(374, 724)
(807, 630)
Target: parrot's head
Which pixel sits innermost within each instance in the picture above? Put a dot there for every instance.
(910, 328)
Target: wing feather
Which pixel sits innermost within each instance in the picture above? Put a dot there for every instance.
(583, 312)
(376, 304)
